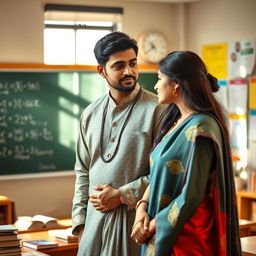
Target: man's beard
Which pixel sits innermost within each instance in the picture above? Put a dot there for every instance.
(121, 88)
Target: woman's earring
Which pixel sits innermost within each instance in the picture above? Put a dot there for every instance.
(174, 92)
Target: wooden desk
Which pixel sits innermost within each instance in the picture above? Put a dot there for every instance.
(64, 248)
(245, 227)
(248, 246)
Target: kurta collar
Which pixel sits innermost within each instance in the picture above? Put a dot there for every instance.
(127, 99)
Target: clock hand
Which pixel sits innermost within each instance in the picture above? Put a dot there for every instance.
(152, 47)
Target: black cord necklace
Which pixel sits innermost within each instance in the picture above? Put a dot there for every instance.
(121, 131)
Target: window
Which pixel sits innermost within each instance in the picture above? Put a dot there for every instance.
(71, 32)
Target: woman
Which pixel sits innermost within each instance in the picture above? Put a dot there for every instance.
(190, 207)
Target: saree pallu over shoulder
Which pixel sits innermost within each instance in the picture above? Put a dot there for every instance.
(192, 193)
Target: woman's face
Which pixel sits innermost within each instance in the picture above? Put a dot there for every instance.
(165, 88)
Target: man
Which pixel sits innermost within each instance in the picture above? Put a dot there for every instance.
(115, 139)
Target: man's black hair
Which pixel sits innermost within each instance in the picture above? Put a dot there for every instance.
(112, 43)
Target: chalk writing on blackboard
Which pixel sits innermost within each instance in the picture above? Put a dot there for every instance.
(39, 117)
(29, 126)
(21, 128)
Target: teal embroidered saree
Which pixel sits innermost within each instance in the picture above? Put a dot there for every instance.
(192, 193)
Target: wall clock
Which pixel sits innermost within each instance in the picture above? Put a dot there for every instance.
(153, 46)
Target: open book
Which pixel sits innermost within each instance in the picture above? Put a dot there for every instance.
(36, 222)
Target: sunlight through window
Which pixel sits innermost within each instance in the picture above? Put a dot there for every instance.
(69, 117)
(85, 42)
(71, 31)
(69, 43)
(59, 46)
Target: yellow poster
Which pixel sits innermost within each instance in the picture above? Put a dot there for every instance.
(252, 93)
(215, 58)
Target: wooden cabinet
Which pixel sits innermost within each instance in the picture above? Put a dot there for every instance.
(6, 210)
(244, 204)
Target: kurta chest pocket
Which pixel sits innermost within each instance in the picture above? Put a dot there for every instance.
(139, 133)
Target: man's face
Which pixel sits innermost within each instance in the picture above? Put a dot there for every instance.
(121, 70)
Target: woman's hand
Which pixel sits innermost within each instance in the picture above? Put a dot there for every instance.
(139, 234)
(140, 230)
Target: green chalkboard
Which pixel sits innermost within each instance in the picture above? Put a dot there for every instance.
(148, 81)
(39, 117)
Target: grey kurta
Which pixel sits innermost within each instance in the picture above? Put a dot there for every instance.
(108, 233)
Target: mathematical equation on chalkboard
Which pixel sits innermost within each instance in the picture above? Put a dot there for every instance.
(24, 153)
(25, 135)
(18, 86)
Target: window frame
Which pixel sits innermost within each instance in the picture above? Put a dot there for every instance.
(78, 15)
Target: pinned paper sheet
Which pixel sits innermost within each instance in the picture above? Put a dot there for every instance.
(238, 131)
(215, 59)
(252, 125)
(222, 94)
(238, 96)
(252, 93)
(241, 58)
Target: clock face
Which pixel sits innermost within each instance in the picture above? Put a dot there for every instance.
(153, 46)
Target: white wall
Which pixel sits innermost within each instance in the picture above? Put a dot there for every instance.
(40, 194)
(21, 30)
(216, 21)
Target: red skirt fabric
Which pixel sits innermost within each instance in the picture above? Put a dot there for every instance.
(198, 236)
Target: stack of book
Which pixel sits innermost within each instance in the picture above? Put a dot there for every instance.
(40, 244)
(9, 241)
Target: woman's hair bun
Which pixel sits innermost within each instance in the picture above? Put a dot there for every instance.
(213, 82)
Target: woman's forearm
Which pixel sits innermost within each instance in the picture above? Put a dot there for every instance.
(146, 193)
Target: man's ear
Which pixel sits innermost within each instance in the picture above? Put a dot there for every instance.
(100, 70)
